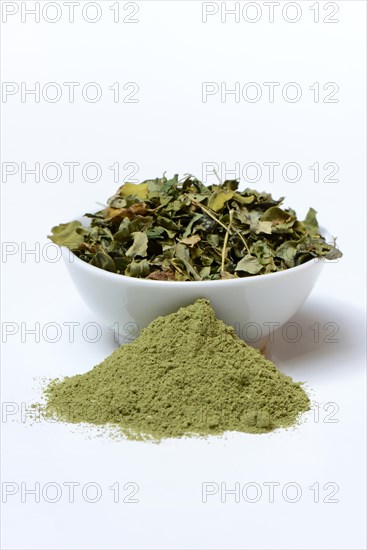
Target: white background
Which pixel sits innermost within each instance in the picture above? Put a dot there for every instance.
(169, 53)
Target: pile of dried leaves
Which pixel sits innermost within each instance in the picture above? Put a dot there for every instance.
(184, 231)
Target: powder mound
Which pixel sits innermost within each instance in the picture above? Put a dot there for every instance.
(187, 374)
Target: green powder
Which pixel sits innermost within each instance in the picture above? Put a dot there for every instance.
(187, 374)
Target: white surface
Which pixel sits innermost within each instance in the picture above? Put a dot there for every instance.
(169, 53)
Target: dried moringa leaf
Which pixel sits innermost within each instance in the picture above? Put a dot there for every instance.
(104, 261)
(276, 216)
(191, 241)
(170, 229)
(287, 251)
(226, 275)
(182, 253)
(166, 275)
(68, 234)
(133, 189)
(311, 222)
(249, 264)
(139, 246)
(116, 202)
(264, 227)
(218, 199)
(138, 268)
(139, 209)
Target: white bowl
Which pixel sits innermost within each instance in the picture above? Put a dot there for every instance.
(254, 305)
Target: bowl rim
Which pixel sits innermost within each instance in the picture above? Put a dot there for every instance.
(66, 253)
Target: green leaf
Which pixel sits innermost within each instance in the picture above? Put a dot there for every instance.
(139, 246)
(249, 264)
(232, 185)
(218, 199)
(311, 223)
(104, 261)
(195, 218)
(227, 275)
(333, 253)
(191, 241)
(116, 202)
(155, 232)
(263, 252)
(287, 252)
(183, 254)
(264, 227)
(167, 223)
(134, 189)
(205, 272)
(138, 269)
(68, 234)
(276, 216)
(243, 199)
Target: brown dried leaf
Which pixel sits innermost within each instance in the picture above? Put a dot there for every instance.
(137, 209)
(191, 241)
(167, 275)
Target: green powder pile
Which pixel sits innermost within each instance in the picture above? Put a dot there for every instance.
(187, 374)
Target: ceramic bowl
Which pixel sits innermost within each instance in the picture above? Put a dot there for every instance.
(254, 306)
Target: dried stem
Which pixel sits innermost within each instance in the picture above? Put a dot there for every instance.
(224, 249)
(228, 229)
(242, 239)
(217, 176)
(209, 213)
